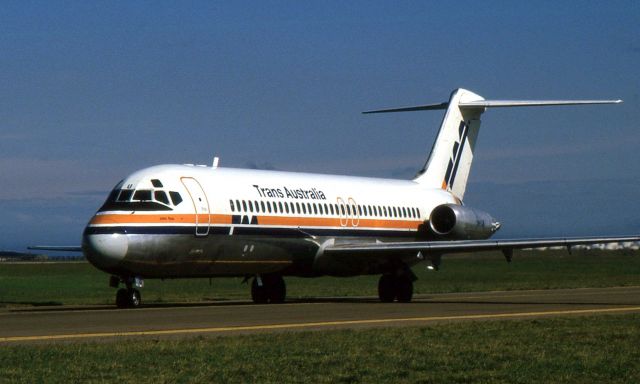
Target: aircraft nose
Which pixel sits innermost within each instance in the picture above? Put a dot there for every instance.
(105, 250)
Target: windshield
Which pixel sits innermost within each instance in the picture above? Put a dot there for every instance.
(140, 200)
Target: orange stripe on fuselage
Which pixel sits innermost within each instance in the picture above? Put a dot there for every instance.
(173, 219)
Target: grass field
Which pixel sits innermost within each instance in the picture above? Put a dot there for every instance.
(594, 349)
(572, 350)
(80, 283)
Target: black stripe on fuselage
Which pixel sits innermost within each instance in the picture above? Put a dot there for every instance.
(250, 230)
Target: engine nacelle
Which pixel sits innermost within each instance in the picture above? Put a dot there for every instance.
(459, 222)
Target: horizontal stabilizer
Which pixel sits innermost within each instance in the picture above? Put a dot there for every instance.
(495, 104)
(428, 107)
(531, 103)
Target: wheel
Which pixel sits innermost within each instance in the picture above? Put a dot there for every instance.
(122, 298)
(259, 293)
(276, 289)
(134, 298)
(404, 289)
(386, 288)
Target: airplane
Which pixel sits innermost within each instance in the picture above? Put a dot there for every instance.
(188, 221)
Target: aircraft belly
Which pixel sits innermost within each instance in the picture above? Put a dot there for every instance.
(166, 256)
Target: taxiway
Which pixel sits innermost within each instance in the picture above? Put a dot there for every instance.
(222, 318)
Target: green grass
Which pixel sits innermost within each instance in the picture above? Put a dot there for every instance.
(571, 350)
(80, 283)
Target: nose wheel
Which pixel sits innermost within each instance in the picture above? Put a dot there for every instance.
(128, 297)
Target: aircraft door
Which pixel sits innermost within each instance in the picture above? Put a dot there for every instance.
(200, 205)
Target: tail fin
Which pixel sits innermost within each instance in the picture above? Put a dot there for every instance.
(451, 156)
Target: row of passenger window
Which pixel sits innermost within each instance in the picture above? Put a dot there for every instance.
(324, 209)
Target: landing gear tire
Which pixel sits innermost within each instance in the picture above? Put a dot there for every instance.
(277, 290)
(122, 298)
(128, 298)
(259, 293)
(391, 287)
(386, 288)
(273, 290)
(404, 289)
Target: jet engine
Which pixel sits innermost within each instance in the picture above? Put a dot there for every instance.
(463, 223)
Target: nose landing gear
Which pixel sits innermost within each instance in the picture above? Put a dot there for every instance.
(130, 296)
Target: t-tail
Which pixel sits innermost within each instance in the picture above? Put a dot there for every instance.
(449, 162)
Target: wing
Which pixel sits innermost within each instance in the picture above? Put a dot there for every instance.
(64, 248)
(432, 250)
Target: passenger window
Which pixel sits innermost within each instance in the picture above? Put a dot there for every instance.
(331, 206)
(304, 208)
(262, 206)
(286, 207)
(238, 205)
(280, 207)
(161, 196)
(244, 206)
(156, 183)
(175, 197)
(298, 210)
(250, 206)
(269, 206)
(315, 208)
(418, 211)
(233, 208)
(395, 212)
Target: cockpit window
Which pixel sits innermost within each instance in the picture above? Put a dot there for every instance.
(120, 200)
(161, 196)
(175, 197)
(125, 195)
(142, 195)
(156, 183)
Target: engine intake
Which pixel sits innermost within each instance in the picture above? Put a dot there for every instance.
(459, 222)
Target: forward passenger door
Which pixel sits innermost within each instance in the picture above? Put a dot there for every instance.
(200, 205)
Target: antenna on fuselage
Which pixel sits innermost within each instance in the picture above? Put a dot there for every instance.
(216, 161)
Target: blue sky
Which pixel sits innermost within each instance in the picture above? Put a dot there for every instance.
(92, 91)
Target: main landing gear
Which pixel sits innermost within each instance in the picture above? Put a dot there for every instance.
(268, 289)
(396, 287)
(128, 297)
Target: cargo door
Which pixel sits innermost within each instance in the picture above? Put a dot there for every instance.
(200, 205)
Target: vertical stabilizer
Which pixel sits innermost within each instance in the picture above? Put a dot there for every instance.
(450, 160)
(451, 156)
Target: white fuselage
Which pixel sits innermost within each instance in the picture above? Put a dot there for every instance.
(184, 220)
